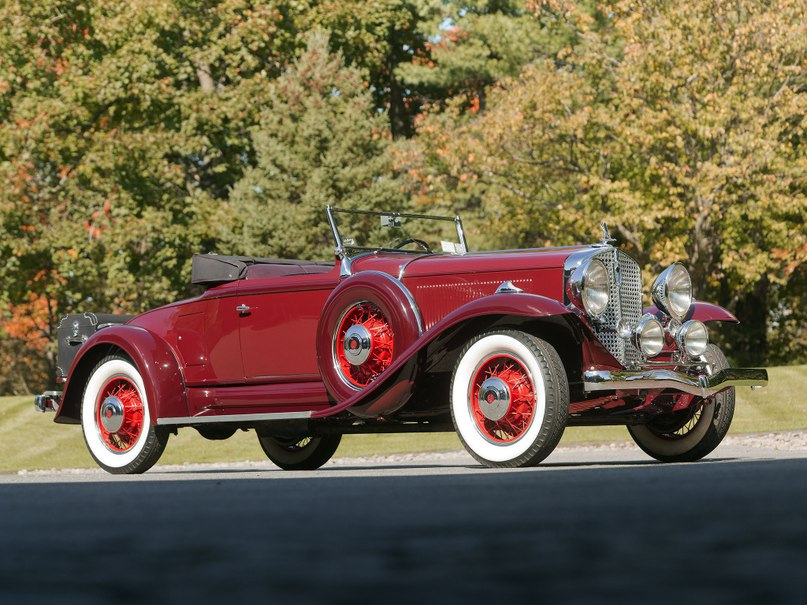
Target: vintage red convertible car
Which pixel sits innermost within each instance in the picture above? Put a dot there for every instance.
(505, 347)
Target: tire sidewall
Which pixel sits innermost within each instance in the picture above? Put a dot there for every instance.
(705, 436)
(461, 409)
(103, 373)
(310, 457)
(666, 447)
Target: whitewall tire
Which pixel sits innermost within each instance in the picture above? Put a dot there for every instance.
(509, 398)
(116, 421)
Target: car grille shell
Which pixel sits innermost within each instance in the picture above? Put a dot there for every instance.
(624, 305)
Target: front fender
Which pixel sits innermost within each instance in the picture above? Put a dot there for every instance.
(702, 311)
(505, 304)
(154, 359)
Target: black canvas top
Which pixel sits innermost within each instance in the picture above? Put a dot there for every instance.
(211, 269)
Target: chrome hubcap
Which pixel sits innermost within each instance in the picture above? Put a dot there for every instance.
(494, 398)
(357, 344)
(111, 414)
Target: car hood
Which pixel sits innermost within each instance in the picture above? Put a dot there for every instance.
(474, 262)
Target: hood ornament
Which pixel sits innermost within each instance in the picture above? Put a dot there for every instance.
(606, 240)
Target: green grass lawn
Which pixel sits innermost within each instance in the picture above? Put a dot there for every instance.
(29, 440)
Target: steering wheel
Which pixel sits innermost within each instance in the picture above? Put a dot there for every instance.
(413, 240)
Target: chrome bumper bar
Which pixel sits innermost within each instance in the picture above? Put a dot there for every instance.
(47, 401)
(702, 385)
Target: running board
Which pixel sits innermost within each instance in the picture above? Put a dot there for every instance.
(230, 418)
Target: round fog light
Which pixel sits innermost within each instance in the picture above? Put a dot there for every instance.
(693, 338)
(649, 336)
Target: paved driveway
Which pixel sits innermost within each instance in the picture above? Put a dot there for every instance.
(589, 526)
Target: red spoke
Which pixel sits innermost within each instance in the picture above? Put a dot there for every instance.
(519, 414)
(132, 423)
(381, 348)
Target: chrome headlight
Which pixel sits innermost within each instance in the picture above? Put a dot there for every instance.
(672, 291)
(589, 287)
(692, 338)
(648, 336)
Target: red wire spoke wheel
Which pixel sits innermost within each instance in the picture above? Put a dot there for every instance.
(363, 344)
(368, 322)
(115, 418)
(509, 398)
(120, 414)
(502, 398)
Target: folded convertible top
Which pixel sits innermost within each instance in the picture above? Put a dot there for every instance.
(212, 269)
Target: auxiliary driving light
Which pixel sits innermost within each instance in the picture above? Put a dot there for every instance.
(693, 338)
(648, 336)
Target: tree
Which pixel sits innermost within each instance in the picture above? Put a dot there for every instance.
(121, 131)
(377, 37)
(318, 142)
(474, 44)
(681, 125)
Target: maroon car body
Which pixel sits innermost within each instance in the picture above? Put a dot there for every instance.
(374, 342)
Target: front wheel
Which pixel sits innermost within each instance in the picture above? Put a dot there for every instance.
(299, 453)
(690, 434)
(115, 419)
(509, 398)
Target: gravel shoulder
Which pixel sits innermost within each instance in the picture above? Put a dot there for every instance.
(760, 445)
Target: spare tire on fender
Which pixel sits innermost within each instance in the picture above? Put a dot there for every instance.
(367, 322)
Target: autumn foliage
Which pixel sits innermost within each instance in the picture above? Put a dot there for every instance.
(133, 135)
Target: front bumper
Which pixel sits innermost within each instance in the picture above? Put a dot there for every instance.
(702, 385)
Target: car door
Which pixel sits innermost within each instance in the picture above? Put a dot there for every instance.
(205, 334)
(278, 320)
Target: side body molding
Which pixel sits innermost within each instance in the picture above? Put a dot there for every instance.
(504, 304)
(702, 311)
(153, 357)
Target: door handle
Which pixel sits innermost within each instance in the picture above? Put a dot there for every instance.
(243, 309)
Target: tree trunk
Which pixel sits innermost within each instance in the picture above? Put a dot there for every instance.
(206, 81)
(398, 116)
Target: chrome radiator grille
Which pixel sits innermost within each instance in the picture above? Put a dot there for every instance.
(625, 303)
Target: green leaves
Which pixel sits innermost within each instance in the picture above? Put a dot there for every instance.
(318, 142)
(135, 134)
(681, 124)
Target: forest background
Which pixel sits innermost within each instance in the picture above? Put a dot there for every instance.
(135, 134)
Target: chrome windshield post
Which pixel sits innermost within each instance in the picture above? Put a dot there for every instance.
(461, 234)
(339, 249)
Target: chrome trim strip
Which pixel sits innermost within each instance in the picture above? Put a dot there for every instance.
(702, 385)
(235, 418)
(409, 262)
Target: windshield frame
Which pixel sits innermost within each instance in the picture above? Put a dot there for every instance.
(346, 252)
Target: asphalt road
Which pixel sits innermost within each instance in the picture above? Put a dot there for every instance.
(588, 526)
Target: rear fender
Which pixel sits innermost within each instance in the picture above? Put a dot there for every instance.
(702, 311)
(154, 359)
(527, 306)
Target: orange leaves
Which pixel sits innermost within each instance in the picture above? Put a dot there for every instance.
(28, 321)
(98, 221)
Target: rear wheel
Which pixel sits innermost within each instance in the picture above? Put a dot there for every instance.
(690, 434)
(115, 419)
(299, 453)
(509, 398)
